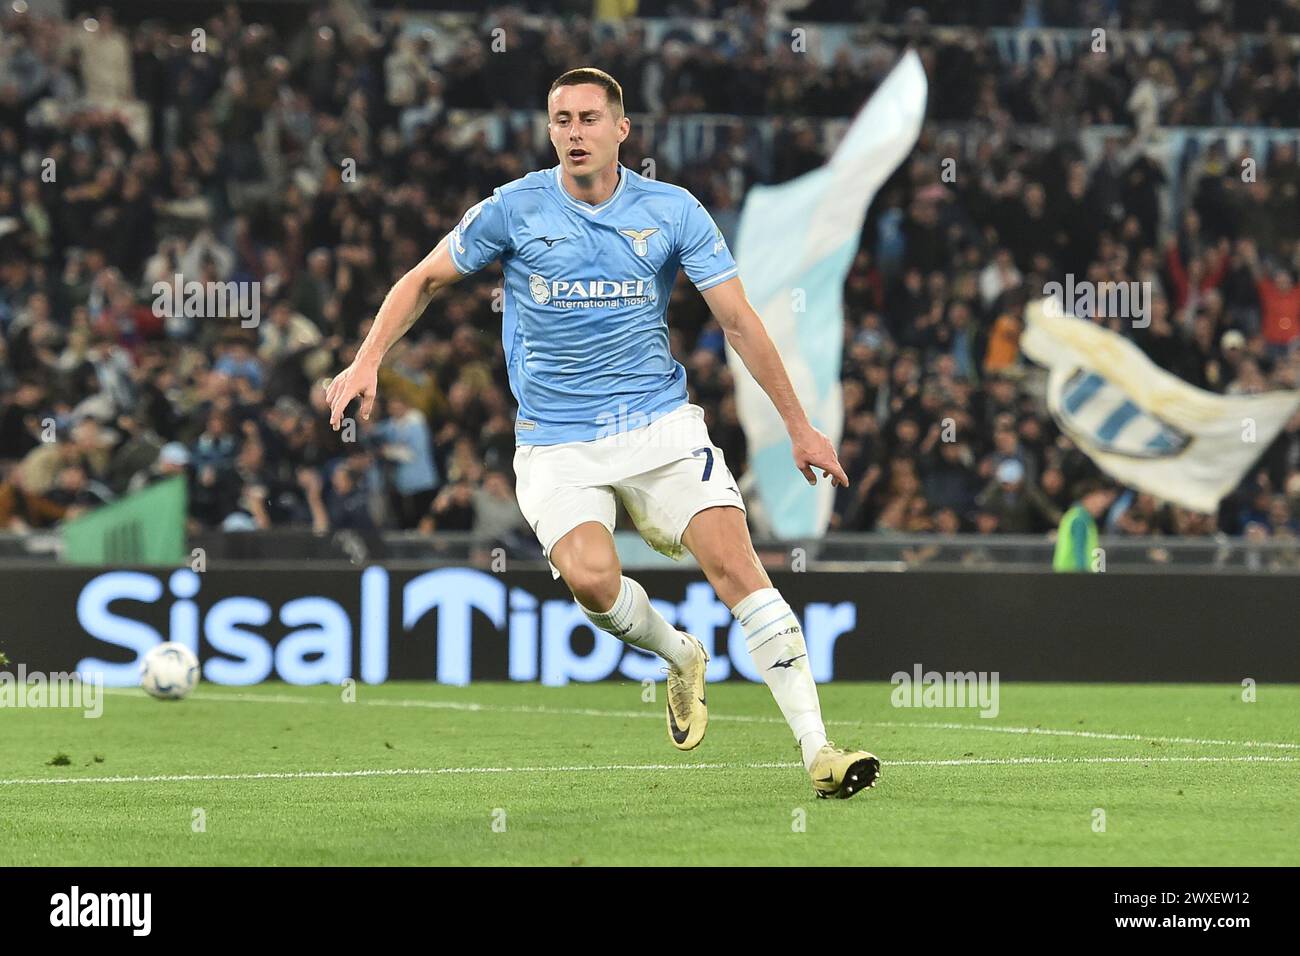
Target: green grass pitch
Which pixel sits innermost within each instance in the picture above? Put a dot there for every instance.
(585, 775)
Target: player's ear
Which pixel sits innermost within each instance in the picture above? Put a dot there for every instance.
(624, 128)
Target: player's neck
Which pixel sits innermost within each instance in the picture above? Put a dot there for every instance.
(593, 189)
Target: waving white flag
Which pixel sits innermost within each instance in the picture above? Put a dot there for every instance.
(1142, 425)
(796, 243)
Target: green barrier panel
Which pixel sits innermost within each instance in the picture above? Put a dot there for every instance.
(147, 527)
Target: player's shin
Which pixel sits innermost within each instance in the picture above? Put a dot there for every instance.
(633, 620)
(775, 642)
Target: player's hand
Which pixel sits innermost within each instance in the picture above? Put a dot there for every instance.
(813, 449)
(356, 381)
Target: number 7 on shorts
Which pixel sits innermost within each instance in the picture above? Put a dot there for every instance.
(708, 461)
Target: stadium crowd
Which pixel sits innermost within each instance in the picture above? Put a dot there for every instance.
(128, 160)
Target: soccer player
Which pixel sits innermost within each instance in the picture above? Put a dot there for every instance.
(590, 252)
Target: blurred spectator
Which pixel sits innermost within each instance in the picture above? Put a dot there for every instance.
(404, 443)
(452, 510)
(347, 504)
(496, 512)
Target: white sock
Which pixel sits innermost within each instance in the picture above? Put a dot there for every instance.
(775, 642)
(633, 620)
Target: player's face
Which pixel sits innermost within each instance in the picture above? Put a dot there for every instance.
(584, 130)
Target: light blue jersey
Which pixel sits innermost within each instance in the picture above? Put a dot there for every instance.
(586, 297)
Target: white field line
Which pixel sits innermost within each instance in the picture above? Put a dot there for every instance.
(737, 718)
(619, 768)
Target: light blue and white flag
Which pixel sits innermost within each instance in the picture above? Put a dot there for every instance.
(795, 245)
(1140, 424)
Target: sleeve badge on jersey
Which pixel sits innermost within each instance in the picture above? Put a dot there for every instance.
(639, 238)
(470, 215)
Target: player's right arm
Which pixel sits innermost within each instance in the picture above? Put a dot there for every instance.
(480, 237)
(405, 302)
(709, 264)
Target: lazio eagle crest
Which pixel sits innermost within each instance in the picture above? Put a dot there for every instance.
(639, 236)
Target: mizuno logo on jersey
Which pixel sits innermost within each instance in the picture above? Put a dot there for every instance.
(640, 239)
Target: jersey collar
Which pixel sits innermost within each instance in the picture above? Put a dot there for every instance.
(586, 207)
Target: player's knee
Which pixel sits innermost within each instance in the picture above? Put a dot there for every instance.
(594, 581)
(738, 572)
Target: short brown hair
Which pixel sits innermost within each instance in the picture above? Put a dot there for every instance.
(1090, 486)
(589, 74)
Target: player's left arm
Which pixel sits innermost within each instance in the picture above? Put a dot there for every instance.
(745, 331)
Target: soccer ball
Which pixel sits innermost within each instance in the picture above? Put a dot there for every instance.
(169, 671)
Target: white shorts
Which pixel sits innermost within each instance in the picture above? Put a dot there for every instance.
(665, 473)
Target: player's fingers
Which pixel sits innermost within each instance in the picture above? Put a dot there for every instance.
(838, 475)
(809, 474)
(336, 385)
(367, 403)
(341, 399)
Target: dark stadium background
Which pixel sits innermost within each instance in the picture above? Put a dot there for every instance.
(238, 177)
